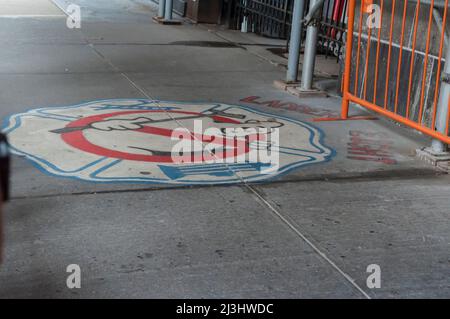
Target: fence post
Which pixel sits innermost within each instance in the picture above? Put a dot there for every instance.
(161, 8)
(296, 40)
(348, 58)
(168, 10)
(309, 57)
(442, 111)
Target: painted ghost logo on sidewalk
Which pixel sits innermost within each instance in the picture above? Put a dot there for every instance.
(129, 140)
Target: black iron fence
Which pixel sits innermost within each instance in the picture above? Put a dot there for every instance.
(272, 18)
(332, 27)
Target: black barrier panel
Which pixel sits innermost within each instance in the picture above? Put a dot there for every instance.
(4, 167)
(272, 18)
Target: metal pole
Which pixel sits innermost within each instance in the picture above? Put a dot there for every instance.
(161, 8)
(309, 57)
(296, 40)
(442, 111)
(169, 8)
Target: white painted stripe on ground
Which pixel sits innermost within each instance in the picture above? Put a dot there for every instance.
(18, 16)
(60, 7)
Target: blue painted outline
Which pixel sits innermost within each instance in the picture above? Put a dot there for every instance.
(37, 162)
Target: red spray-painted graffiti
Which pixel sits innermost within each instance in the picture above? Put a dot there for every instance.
(290, 106)
(370, 146)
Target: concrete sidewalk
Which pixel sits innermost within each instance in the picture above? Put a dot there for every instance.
(29, 8)
(309, 233)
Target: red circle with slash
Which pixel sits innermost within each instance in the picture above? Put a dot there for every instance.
(78, 140)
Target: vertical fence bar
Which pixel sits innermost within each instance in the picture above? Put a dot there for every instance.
(355, 91)
(342, 23)
(399, 67)
(441, 50)
(345, 14)
(348, 58)
(366, 68)
(443, 109)
(326, 28)
(285, 16)
(413, 52)
(375, 85)
(388, 69)
(425, 64)
(447, 122)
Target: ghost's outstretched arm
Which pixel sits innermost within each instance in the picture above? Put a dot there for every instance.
(121, 124)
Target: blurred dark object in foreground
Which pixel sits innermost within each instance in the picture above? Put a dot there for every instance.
(5, 164)
(4, 167)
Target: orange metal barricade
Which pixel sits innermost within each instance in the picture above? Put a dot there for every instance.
(405, 84)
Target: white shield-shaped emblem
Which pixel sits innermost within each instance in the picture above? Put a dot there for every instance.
(132, 140)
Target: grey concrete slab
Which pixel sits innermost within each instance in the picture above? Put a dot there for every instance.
(23, 92)
(116, 10)
(28, 181)
(143, 32)
(167, 59)
(399, 224)
(213, 243)
(29, 7)
(36, 58)
(224, 86)
(35, 30)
